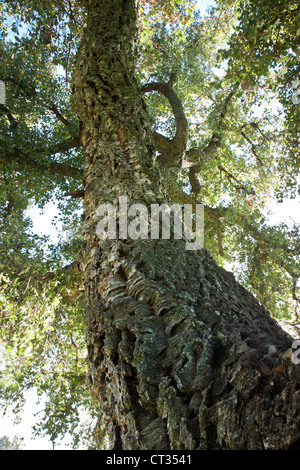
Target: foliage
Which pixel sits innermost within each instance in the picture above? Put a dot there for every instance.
(7, 444)
(268, 34)
(236, 78)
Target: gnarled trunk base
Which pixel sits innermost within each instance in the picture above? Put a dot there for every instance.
(176, 347)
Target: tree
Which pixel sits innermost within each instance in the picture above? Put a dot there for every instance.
(180, 355)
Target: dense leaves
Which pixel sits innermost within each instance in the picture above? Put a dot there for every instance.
(236, 74)
(265, 51)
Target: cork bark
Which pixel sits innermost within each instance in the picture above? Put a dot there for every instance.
(175, 345)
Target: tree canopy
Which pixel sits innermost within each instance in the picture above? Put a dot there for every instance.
(222, 91)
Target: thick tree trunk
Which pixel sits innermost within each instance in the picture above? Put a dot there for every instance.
(175, 345)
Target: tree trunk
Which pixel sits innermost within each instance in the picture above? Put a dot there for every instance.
(175, 345)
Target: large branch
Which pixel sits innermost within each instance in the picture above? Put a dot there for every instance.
(42, 165)
(163, 145)
(173, 148)
(38, 157)
(181, 197)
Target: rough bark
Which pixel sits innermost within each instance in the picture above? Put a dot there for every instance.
(175, 344)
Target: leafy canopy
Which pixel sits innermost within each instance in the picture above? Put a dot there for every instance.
(235, 73)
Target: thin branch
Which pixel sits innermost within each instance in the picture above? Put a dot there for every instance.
(200, 155)
(71, 275)
(297, 299)
(255, 126)
(219, 236)
(235, 182)
(12, 120)
(8, 210)
(30, 92)
(253, 149)
(60, 117)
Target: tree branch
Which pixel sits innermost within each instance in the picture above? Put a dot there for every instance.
(54, 168)
(255, 126)
(12, 120)
(200, 155)
(195, 185)
(30, 92)
(162, 144)
(52, 107)
(253, 149)
(70, 277)
(219, 235)
(176, 145)
(240, 187)
(180, 197)
(215, 214)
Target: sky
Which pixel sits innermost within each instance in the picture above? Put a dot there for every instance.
(24, 429)
(203, 4)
